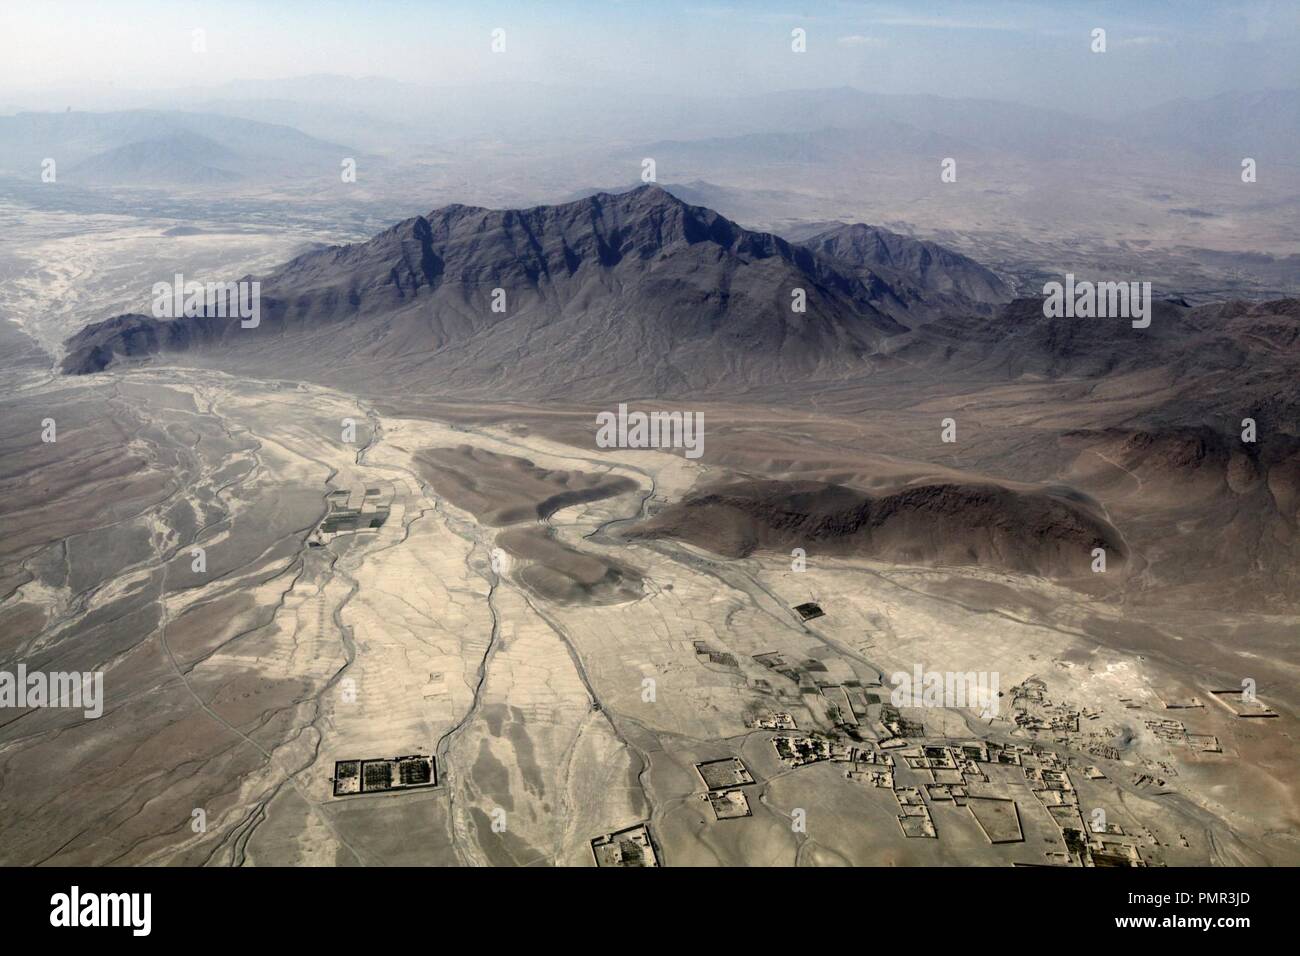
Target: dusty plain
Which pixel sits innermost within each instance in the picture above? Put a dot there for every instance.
(234, 691)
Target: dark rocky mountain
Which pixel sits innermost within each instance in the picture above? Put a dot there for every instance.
(1230, 358)
(1031, 531)
(935, 270)
(636, 293)
(641, 294)
(917, 270)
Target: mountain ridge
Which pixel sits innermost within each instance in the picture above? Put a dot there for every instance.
(644, 269)
(641, 293)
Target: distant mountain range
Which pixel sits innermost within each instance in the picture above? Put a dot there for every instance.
(805, 124)
(154, 147)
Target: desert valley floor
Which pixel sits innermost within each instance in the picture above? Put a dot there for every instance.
(567, 674)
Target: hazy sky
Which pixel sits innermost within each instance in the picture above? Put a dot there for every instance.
(1031, 52)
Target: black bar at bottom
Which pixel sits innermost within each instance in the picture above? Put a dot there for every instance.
(334, 905)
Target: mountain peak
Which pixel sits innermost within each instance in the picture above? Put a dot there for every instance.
(934, 269)
(648, 193)
(641, 199)
(453, 294)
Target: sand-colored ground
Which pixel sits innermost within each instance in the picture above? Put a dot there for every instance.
(555, 716)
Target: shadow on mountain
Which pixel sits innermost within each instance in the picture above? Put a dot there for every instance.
(502, 489)
(1045, 533)
(557, 572)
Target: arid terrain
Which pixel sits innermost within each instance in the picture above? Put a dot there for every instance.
(569, 629)
(940, 577)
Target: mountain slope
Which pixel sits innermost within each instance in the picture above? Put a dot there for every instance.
(936, 270)
(1231, 359)
(129, 147)
(1264, 125)
(1030, 531)
(182, 158)
(613, 294)
(642, 294)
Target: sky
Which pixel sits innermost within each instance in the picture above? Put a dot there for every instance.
(1037, 53)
